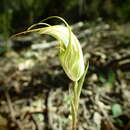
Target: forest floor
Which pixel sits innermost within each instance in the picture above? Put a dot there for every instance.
(34, 90)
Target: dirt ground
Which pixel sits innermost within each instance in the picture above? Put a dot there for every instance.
(34, 90)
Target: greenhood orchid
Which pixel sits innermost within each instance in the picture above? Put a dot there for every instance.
(70, 55)
(70, 52)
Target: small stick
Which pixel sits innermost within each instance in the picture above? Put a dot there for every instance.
(12, 110)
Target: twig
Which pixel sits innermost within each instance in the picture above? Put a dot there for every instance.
(12, 110)
(36, 122)
(104, 113)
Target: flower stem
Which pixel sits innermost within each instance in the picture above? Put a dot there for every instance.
(76, 91)
(74, 105)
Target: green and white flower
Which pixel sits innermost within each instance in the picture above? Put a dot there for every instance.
(70, 54)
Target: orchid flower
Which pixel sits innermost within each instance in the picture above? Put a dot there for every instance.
(70, 55)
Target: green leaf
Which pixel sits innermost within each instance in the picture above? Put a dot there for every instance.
(116, 110)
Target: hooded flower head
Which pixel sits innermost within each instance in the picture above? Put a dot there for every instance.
(70, 52)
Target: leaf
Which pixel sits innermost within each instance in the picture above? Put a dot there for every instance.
(116, 110)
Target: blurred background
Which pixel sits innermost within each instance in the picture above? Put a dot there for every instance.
(18, 14)
(33, 86)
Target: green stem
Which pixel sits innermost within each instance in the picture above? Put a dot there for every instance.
(75, 99)
(74, 105)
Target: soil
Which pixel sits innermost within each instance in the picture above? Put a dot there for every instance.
(34, 90)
